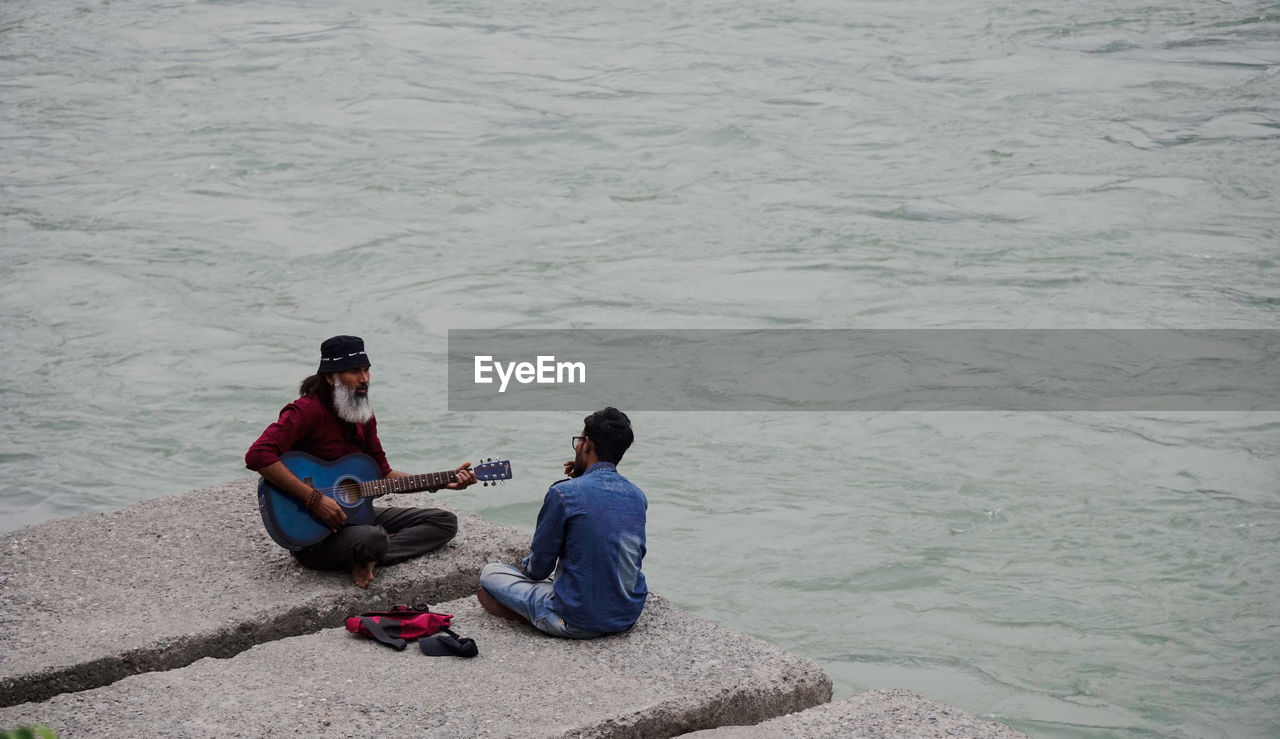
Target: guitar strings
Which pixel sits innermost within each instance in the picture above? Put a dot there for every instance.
(332, 490)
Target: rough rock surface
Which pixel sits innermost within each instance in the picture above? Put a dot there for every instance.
(670, 674)
(87, 600)
(874, 713)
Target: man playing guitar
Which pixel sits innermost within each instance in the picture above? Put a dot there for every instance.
(333, 418)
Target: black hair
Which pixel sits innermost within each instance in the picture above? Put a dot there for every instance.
(610, 432)
(317, 384)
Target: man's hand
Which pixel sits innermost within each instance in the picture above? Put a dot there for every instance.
(329, 513)
(571, 469)
(465, 477)
(326, 510)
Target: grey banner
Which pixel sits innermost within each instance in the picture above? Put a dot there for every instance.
(864, 369)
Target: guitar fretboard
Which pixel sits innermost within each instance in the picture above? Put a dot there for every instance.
(407, 484)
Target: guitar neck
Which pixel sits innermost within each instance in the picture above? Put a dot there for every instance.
(407, 484)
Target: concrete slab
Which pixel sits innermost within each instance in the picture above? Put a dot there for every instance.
(670, 674)
(874, 713)
(87, 600)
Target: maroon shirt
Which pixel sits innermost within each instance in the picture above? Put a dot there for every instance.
(307, 425)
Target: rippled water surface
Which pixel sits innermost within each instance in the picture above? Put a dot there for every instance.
(194, 194)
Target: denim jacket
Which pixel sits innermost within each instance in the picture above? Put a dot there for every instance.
(594, 526)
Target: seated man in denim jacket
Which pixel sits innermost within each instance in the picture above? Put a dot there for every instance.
(590, 533)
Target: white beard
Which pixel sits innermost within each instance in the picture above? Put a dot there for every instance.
(351, 407)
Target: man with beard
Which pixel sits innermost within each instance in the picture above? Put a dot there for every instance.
(590, 533)
(332, 419)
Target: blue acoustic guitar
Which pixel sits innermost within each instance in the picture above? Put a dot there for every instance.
(352, 481)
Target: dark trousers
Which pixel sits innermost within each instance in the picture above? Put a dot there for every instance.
(396, 534)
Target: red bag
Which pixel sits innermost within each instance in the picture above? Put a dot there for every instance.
(400, 625)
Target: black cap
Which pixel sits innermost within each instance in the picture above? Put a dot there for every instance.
(342, 353)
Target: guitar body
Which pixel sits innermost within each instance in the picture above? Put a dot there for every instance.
(286, 517)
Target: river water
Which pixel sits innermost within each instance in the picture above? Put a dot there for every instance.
(194, 194)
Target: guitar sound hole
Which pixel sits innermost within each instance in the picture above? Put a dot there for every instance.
(349, 492)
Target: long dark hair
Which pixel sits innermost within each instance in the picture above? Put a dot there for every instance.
(318, 385)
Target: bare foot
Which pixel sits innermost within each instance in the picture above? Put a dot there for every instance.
(362, 574)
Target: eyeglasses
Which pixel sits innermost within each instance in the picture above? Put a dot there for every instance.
(577, 440)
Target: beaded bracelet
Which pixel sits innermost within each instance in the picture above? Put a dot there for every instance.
(313, 499)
